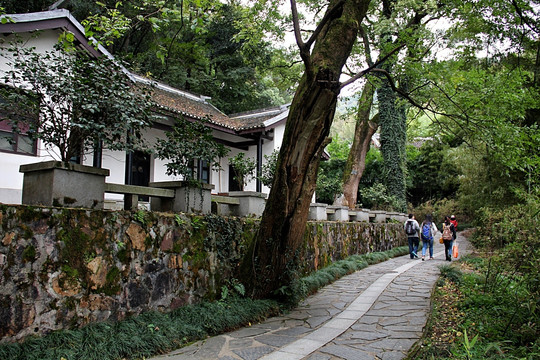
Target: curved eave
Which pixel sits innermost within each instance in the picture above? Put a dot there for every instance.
(211, 123)
(266, 125)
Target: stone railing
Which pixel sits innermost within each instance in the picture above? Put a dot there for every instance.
(324, 212)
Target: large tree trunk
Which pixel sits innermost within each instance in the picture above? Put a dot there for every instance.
(272, 264)
(356, 162)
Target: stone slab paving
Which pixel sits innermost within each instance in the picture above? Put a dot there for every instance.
(375, 313)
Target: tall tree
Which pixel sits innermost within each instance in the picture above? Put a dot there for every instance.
(364, 130)
(311, 113)
(398, 26)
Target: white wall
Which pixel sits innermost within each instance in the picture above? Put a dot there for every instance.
(11, 179)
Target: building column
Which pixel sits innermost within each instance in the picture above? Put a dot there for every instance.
(259, 163)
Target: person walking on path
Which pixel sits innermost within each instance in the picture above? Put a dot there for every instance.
(429, 229)
(412, 230)
(448, 236)
(454, 221)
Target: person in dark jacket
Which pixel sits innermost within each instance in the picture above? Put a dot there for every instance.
(412, 229)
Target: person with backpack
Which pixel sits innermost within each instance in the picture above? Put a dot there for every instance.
(448, 236)
(412, 229)
(428, 229)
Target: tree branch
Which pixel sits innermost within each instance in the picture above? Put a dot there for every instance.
(370, 68)
(304, 50)
(367, 46)
(525, 19)
(328, 16)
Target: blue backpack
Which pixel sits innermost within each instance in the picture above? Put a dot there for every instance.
(426, 232)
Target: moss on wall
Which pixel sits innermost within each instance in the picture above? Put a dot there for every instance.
(79, 266)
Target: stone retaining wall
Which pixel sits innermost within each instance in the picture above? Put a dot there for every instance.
(62, 268)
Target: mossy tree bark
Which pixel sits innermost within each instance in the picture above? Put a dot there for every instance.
(356, 161)
(272, 264)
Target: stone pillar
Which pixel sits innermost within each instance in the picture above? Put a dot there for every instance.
(380, 216)
(339, 213)
(58, 183)
(252, 203)
(317, 212)
(187, 198)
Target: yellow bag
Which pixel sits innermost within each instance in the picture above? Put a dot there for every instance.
(441, 240)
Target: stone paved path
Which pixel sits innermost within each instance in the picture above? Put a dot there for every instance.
(375, 313)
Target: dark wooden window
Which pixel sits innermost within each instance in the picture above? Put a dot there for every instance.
(200, 170)
(17, 142)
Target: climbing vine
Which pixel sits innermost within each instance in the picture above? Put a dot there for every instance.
(393, 139)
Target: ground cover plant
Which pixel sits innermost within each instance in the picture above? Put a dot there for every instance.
(470, 321)
(155, 333)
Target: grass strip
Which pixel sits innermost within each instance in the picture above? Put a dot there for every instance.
(314, 281)
(154, 333)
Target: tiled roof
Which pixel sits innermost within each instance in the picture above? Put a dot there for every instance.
(261, 118)
(197, 107)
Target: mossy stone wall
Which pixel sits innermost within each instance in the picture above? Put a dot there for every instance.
(62, 268)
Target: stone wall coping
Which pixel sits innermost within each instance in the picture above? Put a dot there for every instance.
(248, 194)
(337, 207)
(53, 164)
(318, 205)
(179, 184)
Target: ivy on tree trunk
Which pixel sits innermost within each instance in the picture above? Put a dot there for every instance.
(393, 138)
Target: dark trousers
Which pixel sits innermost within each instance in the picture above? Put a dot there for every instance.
(448, 249)
(413, 246)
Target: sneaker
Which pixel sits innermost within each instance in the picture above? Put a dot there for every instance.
(423, 258)
(431, 258)
(414, 254)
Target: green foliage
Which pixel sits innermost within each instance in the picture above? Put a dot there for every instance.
(210, 47)
(433, 173)
(338, 148)
(186, 142)
(330, 180)
(373, 172)
(18, 7)
(108, 27)
(514, 231)
(140, 217)
(440, 209)
(29, 254)
(486, 182)
(376, 197)
(467, 345)
(84, 103)
(244, 169)
(269, 168)
(393, 136)
(451, 273)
